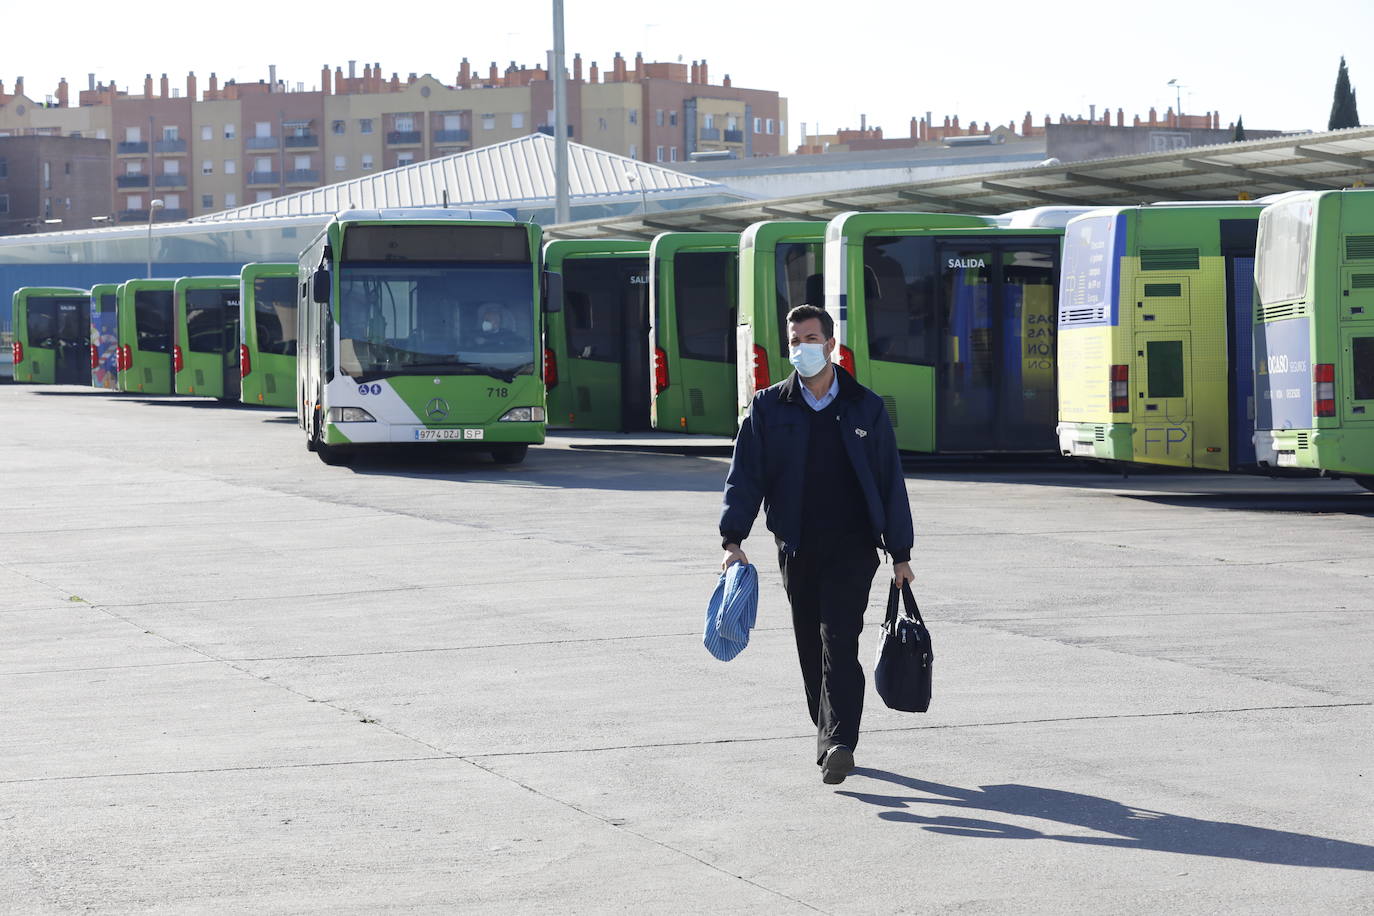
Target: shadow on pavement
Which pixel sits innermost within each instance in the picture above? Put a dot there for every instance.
(1353, 502)
(1131, 828)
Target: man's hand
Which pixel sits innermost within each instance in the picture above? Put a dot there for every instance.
(733, 554)
(902, 574)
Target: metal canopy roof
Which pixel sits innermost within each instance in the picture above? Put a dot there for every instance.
(499, 175)
(1258, 168)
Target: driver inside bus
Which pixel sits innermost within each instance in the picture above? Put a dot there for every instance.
(495, 327)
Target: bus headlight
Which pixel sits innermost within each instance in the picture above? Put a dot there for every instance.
(350, 415)
(523, 414)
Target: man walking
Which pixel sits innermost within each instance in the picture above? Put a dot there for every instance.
(818, 452)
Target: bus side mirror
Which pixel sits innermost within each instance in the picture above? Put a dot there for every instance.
(553, 292)
(319, 286)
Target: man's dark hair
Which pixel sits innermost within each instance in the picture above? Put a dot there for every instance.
(805, 312)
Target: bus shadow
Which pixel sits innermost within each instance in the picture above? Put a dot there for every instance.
(1354, 502)
(198, 404)
(552, 468)
(1126, 827)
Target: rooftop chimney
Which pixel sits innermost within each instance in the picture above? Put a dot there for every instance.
(702, 76)
(62, 93)
(191, 85)
(90, 81)
(464, 74)
(696, 73)
(214, 83)
(352, 69)
(725, 83)
(594, 73)
(577, 67)
(271, 77)
(163, 86)
(147, 85)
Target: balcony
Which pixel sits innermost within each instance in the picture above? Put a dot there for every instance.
(170, 181)
(170, 215)
(132, 216)
(135, 148)
(261, 143)
(549, 128)
(709, 133)
(169, 146)
(452, 136)
(403, 137)
(263, 178)
(302, 141)
(734, 136)
(131, 181)
(303, 176)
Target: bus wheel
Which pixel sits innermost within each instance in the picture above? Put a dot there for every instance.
(1366, 482)
(509, 454)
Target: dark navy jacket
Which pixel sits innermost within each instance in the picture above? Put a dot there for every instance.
(769, 466)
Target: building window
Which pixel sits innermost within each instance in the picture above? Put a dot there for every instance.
(171, 133)
(453, 122)
(262, 129)
(782, 127)
(339, 127)
(101, 135)
(488, 122)
(230, 166)
(4, 203)
(230, 199)
(601, 124)
(133, 167)
(634, 151)
(517, 120)
(133, 135)
(404, 159)
(758, 125)
(134, 202)
(672, 119)
(768, 126)
(302, 163)
(364, 125)
(207, 201)
(47, 208)
(658, 156)
(172, 201)
(405, 123)
(171, 166)
(260, 196)
(658, 116)
(47, 175)
(340, 163)
(262, 164)
(230, 131)
(207, 132)
(68, 203)
(207, 167)
(709, 121)
(672, 154)
(4, 168)
(367, 161)
(634, 115)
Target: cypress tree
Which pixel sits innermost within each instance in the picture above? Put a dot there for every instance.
(1343, 110)
(1239, 135)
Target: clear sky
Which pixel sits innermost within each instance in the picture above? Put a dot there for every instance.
(1272, 62)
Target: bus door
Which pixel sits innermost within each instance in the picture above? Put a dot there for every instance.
(1240, 291)
(606, 329)
(71, 344)
(996, 372)
(151, 359)
(635, 384)
(233, 381)
(705, 305)
(1163, 429)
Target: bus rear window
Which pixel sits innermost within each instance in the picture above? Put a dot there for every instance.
(1362, 367)
(899, 299)
(597, 293)
(274, 314)
(799, 281)
(1283, 251)
(393, 243)
(153, 320)
(704, 297)
(211, 320)
(52, 319)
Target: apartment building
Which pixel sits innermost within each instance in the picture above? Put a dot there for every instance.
(200, 151)
(48, 184)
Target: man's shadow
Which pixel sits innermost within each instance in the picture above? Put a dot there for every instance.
(1131, 828)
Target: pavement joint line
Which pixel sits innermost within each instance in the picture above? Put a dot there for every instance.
(199, 771)
(950, 726)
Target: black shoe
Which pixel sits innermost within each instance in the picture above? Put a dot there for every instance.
(836, 765)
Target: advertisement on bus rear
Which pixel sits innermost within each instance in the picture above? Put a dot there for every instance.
(1283, 374)
(1089, 277)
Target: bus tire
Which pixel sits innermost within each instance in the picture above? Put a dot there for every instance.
(312, 435)
(1366, 482)
(509, 454)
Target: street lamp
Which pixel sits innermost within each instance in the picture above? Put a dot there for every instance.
(1178, 96)
(633, 179)
(153, 206)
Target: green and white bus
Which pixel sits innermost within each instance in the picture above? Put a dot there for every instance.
(1155, 336)
(51, 335)
(421, 326)
(105, 336)
(781, 266)
(950, 319)
(205, 355)
(693, 298)
(267, 347)
(1314, 334)
(596, 348)
(146, 322)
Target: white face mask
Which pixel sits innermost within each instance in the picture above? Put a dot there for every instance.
(808, 358)
(488, 326)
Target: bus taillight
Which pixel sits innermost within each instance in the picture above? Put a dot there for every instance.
(178, 361)
(1324, 375)
(245, 364)
(846, 359)
(760, 368)
(95, 357)
(18, 350)
(550, 369)
(1121, 398)
(121, 361)
(660, 371)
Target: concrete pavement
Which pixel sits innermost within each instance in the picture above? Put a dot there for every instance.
(237, 680)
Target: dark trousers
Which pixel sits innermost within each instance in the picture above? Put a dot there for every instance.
(828, 591)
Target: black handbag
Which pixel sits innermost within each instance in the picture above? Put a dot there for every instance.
(902, 672)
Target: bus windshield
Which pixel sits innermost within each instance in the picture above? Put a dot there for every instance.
(274, 313)
(1283, 249)
(419, 319)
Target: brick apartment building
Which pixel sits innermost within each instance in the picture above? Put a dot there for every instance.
(53, 183)
(199, 150)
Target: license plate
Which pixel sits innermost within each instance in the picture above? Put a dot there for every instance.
(1083, 448)
(437, 435)
(1288, 460)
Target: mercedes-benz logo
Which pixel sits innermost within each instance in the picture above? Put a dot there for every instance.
(436, 409)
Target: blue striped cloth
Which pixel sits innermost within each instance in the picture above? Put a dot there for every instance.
(733, 609)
